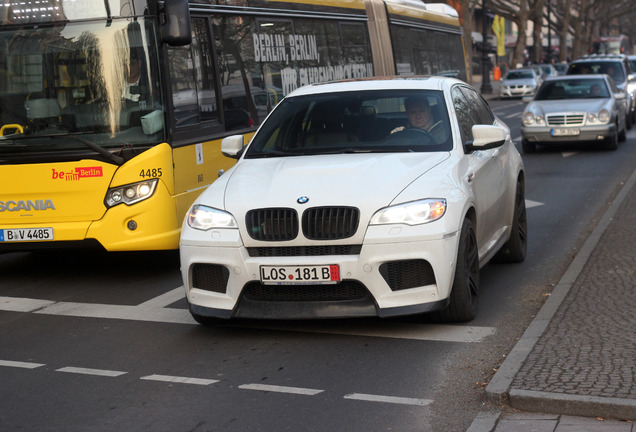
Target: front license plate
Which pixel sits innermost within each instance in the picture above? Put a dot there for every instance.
(565, 132)
(26, 234)
(300, 275)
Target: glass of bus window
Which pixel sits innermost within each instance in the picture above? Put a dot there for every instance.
(72, 79)
(192, 79)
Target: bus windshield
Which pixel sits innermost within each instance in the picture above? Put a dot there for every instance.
(91, 79)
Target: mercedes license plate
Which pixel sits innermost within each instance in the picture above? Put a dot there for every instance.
(300, 275)
(26, 234)
(565, 131)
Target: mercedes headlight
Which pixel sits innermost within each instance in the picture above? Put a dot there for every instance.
(204, 218)
(411, 213)
(131, 193)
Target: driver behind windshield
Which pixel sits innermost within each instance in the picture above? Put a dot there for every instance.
(420, 116)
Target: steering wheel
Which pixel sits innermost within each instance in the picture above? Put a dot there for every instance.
(418, 134)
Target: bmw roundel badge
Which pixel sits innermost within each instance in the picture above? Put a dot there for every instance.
(302, 200)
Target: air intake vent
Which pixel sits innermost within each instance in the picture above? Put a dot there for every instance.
(400, 275)
(272, 224)
(330, 223)
(210, 277)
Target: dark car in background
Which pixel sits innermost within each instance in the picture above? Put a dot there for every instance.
(619, 68)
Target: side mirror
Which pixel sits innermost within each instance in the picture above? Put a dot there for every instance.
(527, 99)
(619, 95)
(232, 146)
(175, 30)
(487, 137)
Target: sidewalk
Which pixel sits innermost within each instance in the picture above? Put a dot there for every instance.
(574, 369)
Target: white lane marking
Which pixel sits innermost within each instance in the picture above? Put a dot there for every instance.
(513, 115)
(164, 299)
(18, 364)
(568, 154)
(385, 329)
(179, 380)
(88, 371)
(530, 204)
(281, 389)
(14, 304)
(392, 330)
(94, 310)
(389, 399)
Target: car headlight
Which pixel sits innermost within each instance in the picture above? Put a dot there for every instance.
(131, 193)
(529, 119)
(603, 117)
(411, 213)
(204, 218)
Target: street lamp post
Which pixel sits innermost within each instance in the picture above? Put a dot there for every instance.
(486, 88)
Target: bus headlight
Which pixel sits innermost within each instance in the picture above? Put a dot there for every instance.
(130, 194)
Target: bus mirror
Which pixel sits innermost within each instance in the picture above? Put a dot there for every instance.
(175, 30)
(232, 146)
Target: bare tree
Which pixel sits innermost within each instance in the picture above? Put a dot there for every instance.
(519, 12)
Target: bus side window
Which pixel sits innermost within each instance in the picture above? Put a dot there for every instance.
(192, 78)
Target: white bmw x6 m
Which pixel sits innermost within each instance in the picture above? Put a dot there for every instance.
(345, 204)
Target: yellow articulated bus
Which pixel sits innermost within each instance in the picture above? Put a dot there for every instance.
(112, 111)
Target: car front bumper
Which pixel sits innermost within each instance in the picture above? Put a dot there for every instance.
(384, 271)
(545, 135)
(516, 92)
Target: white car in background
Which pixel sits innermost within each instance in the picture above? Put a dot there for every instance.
(518, 83)
(331, 213)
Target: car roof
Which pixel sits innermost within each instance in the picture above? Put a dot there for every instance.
(601, 57)
(575, 77)
(378, 83)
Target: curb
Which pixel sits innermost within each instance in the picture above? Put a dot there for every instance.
(499, 389)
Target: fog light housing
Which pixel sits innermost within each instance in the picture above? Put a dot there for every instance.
(132, 225)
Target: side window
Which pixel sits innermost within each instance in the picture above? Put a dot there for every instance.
(467, 117)
(192, 78)
(484, 114)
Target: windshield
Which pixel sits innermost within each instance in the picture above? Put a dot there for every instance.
(613, 69)
(514, 75)
(94, 79)
(355, 122)
(573, 89)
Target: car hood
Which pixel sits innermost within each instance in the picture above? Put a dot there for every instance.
(366, 181)
(567, 105)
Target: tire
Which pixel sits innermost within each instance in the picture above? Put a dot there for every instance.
(611, 142)
(622, 136)
(527, 146)
(464, 294)
(514, 250)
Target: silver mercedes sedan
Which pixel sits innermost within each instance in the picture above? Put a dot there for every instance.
(575, 109)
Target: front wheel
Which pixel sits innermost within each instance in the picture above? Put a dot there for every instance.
(465, 291)
(527, 146)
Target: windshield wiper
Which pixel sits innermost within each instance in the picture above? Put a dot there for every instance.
(96, 148)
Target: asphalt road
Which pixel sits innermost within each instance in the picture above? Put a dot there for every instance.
(103, 342)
